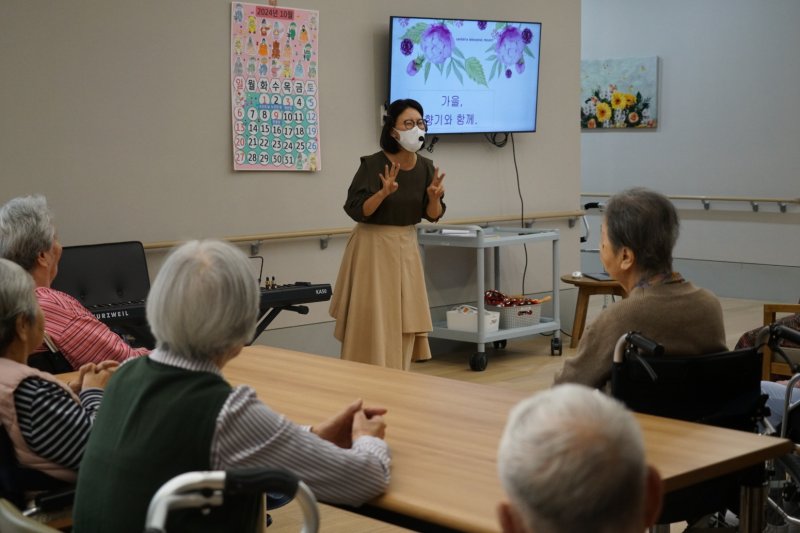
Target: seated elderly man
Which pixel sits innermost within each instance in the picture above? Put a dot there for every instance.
(28, 237)
(173, 412)
(640, 228)
(47, 422)
(572, 459)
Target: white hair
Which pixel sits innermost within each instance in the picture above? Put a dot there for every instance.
(17, 297)
(203, 301)
(26, 230)
(572, 459)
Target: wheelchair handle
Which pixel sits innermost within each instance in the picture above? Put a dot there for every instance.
(782, 332)
(258, 480)
(648, 346)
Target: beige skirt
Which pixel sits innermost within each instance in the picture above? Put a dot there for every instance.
(379, 301)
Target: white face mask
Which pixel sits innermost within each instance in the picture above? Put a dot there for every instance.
(412, 139)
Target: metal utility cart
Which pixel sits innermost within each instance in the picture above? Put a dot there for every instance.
(481, 239)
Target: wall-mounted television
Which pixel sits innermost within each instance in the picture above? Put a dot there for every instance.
(471, 76)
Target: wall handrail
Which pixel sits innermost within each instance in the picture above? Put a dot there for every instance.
(754, 201)
(326, 233)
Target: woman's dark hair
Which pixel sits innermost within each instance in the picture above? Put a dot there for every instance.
(646, 222)
(388, 142)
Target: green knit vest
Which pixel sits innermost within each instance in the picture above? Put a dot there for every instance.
(156, 421)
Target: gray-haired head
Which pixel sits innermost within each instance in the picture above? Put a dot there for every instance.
(572, 459)
(204, 300)
(26, 230)
(17, 297)
(645, 222)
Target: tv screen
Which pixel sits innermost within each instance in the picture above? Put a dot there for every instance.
(471, 76)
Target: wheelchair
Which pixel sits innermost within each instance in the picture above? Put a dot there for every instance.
(721, 389)
(784, 485)
(201, 490)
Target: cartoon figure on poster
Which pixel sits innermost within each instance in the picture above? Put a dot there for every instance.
(274, 92)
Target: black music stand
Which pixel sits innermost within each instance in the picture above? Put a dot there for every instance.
(106, 276)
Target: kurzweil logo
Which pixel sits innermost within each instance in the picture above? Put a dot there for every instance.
(111, 314)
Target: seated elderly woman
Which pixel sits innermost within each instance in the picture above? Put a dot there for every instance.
(572, 459)
(46, 421)
(28, 237)
(173, 412)
(640, 228)
(775, 390)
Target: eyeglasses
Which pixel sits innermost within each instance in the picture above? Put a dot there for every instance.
(421, 124)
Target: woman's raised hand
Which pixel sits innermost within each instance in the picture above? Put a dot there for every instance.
(389, 178)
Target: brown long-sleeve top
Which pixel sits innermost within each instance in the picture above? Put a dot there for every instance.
(685, 319)
(405, 207)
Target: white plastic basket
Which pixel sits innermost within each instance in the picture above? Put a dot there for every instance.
(465, 318)
(518, 316)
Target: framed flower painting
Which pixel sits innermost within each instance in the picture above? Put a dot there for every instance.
(619, 93)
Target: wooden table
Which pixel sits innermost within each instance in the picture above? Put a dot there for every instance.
(443, 434)
(588, 287)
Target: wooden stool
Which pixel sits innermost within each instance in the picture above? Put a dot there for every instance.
(588, 287)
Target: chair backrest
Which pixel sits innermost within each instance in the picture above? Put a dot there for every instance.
(721, 389)
(104, 273)
(12, 521)
(10, 488)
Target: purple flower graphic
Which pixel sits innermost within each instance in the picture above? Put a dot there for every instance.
(404, 22)
(527, 36)
(481, 24)
(437, 43)
(509, 46)
(520, 66)
(508, 73)
(413, 66)
(406, 46)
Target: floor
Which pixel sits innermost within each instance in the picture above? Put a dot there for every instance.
(525, 364)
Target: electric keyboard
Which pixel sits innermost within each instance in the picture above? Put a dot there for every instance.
(118, 312)
(299, 292)
(279, 298)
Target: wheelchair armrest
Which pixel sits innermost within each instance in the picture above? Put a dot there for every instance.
(54, 500)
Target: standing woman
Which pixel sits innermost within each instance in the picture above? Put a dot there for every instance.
(380, 302)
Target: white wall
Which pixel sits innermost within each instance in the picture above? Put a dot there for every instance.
(119, 112)
(729, 119)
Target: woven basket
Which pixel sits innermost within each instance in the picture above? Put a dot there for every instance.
(518, 316)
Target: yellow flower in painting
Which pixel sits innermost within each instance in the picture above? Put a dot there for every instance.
(619, 101)
(603, 112)
(631, 99)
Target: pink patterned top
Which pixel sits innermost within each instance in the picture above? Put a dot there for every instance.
(79, 336)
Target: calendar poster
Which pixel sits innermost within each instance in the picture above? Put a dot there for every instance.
(274, 92)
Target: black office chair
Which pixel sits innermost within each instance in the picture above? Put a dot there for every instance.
(721, 389)
(109, 277)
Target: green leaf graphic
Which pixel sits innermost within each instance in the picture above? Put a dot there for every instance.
(475, 71)
(439, 66)
(459, 64)
(449, 68)
(427, 70)
(494, 71)
(458, 53)
(415, 32)
(459, 76)
(491, 57)
(527, 51)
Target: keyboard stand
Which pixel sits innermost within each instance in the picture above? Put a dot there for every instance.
(272, 313)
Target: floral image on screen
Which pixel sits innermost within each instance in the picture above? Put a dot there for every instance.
(471, 76)
(434, 43)
(619, 93)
